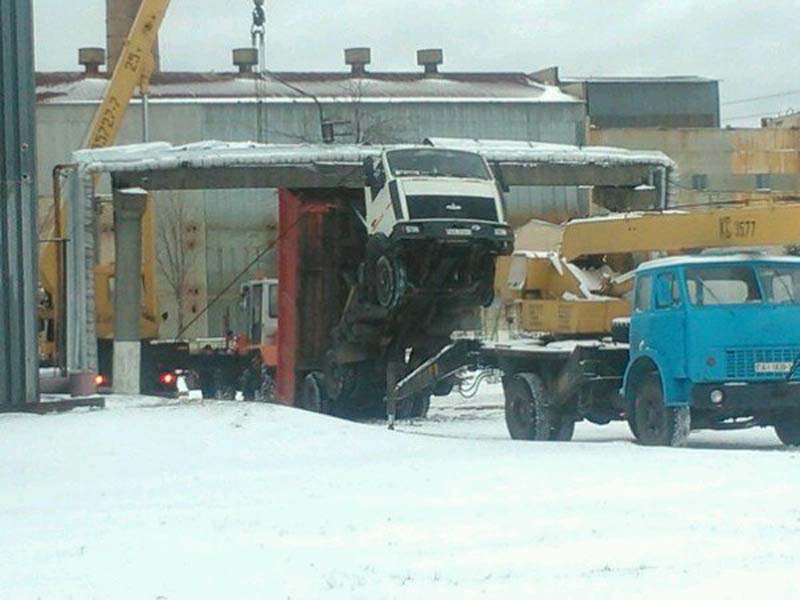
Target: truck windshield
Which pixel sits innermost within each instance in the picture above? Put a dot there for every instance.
(781, 283)
(434, 162)
(714, 286)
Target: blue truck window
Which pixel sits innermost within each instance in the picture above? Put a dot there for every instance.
(644, 293)
(668, 293)
(720, 285)
(781, 284)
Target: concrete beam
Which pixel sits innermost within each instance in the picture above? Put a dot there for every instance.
(343, 175)
(301, 176)
(129, 207)
(520, 174)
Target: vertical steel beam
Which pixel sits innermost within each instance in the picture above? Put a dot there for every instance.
(289, 249)
(19, 356)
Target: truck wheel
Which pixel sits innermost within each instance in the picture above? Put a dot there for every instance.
(420, 406)
(312, 394)
(657, 424)
(562, 428)
(788, 430)
(389, 282)
(527, 408)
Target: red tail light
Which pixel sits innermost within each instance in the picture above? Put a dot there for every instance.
(99, 380)
(167, 379)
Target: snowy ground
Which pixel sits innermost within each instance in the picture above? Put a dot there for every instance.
(153, 499)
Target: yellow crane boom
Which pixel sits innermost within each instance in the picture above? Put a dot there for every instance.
(552, 294)
(758, 224)
(133, 69)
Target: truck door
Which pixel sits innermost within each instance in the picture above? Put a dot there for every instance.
(256, 311)
(667, 332)
(270, 312)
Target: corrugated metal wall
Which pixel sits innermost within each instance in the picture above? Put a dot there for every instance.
(239, 224)
(654, 104)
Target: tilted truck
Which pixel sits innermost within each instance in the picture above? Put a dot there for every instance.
(420, 264)
(712, 341)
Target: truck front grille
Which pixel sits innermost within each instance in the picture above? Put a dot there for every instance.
(472, 208)
(740, 363)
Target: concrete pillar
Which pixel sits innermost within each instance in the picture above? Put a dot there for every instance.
(129, 206)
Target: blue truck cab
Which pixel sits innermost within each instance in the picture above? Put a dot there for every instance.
(714, 344)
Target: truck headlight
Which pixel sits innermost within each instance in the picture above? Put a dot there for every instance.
(717, 396)
(412, 229)
(501, 232)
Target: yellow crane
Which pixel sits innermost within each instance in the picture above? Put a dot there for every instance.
(133, 70)
(580, 289)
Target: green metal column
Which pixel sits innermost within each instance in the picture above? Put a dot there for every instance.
(19, 357)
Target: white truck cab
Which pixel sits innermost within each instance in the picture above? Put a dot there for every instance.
(436, 223)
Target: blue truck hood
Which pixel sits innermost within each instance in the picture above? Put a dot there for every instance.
(741, 342)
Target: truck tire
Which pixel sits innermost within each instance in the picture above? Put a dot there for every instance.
(657, 424)
(390, 282)
(562, 428)
(312, 394)
(788, 430)
(621, 330)
(527, 408)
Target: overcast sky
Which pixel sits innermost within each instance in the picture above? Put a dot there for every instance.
(752, 46)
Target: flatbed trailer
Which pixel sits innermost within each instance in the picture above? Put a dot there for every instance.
(566, 381)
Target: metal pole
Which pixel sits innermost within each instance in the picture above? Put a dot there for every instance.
(19, 356)
(145, 117)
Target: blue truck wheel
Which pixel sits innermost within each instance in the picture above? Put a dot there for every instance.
(788, 430)
(655, 423)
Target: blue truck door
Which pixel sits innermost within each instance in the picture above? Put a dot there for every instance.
(667, 332)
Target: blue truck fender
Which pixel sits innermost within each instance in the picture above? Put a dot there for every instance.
(674, 389)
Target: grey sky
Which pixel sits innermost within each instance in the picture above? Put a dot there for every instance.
(751, 45)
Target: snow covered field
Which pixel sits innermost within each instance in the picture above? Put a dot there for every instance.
(154, 499)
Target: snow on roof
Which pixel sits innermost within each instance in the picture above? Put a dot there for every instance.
(541, 152)
(210, 154)
(77, 88)
(715, 259)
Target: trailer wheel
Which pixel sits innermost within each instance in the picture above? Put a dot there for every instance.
(788, 430)
(657, 424)
(312, 394)
(527, 408)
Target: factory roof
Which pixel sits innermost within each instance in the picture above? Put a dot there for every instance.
(182, 87)
(666, 79)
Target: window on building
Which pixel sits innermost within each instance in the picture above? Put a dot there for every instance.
(699, 182)
(763, 181)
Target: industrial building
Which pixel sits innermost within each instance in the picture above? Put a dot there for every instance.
(357, 105)
(681, 117)
(621, 102)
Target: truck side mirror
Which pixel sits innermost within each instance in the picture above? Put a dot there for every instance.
(374, 177)
(369, 172)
